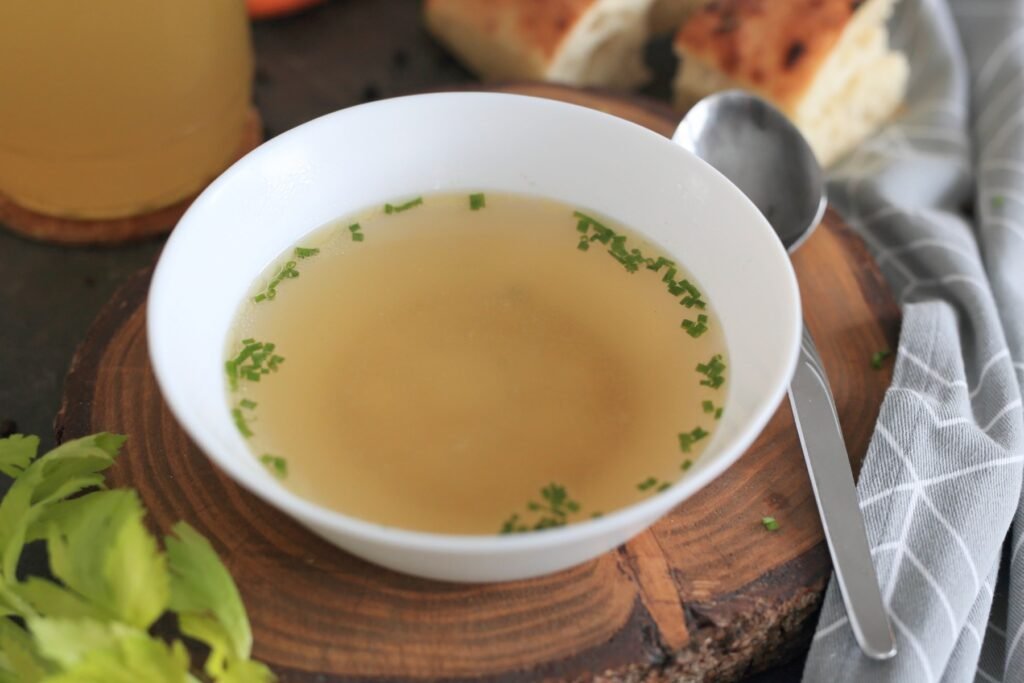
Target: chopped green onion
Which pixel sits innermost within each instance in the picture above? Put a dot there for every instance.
(770, 523)
(392, 208)
(477, 201)
(648, 483)
(664, 487)
(247, 403)
(687, 464)
(278, 466)
(240, 422)
(708, 406)
(878, 358)
(303, 252)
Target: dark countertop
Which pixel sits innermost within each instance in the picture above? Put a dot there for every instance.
(343, 53)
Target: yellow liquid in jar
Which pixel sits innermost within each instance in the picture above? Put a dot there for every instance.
(118, 107)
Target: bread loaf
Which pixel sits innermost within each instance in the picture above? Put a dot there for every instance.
(825, 63)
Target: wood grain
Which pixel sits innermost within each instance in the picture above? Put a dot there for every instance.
(705, 594)
(72, 232)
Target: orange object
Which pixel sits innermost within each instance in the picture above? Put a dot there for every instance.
(264, 9)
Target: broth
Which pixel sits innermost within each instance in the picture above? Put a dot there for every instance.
(475, 365)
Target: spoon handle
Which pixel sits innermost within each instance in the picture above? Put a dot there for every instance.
(832, 480)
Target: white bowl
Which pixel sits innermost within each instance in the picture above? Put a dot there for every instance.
(374, 153)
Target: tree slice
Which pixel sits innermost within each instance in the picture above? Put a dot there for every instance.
(706, 594)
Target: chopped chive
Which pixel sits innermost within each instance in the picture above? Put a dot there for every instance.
(718, 414)
(583, 245)
(712, 371)
(304, 252)
(648, 483)
(708, 406)
(687, 464)
(597, 515)
(252, 362)
(770, 523)
(687, 439)
(247, 403)
(664, 487)
(240, 422)
(477, 201)
(392, 208)
(277, 465)
(878, 358)
(696, 329)
(553, 512)
(356, 230)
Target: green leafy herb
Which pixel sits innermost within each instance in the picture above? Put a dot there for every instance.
(16, 452)
(712, 371)
(277, 465)
(110, 581)
(285, 272)
(477, 201)
(646, 484)
(241, 420)
(392, 208)
(553, 512)
(687, 439)
(356, 230)
(252, 362)
(696, 328)
(303, 252)
(770, 523)
(878, 358)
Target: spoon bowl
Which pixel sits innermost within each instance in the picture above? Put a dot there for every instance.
(755, 146)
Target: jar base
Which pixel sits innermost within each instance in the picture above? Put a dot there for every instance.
(69, 231)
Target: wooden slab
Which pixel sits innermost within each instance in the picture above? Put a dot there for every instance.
(706, 594)
(69, 231)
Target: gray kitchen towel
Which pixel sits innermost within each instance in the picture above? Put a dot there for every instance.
(939, 197)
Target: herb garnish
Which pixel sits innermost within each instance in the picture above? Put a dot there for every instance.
(687, 464)
(770, 523)
(878, 358)
(306, 252)
(646, 484)
(252, 362)
(553, 512)
(285, 272)
(392, 208)
(357, 232)
(687, 439)
(240, 418)
(712, 371)
(477, 201)
(277, 465)
(593, 230)
(90, 616)
(696, 329)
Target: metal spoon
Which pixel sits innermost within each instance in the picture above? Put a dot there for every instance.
(757, 148)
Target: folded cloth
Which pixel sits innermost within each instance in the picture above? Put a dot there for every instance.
(939, 197)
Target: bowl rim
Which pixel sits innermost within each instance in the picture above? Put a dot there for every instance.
(311, 513)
